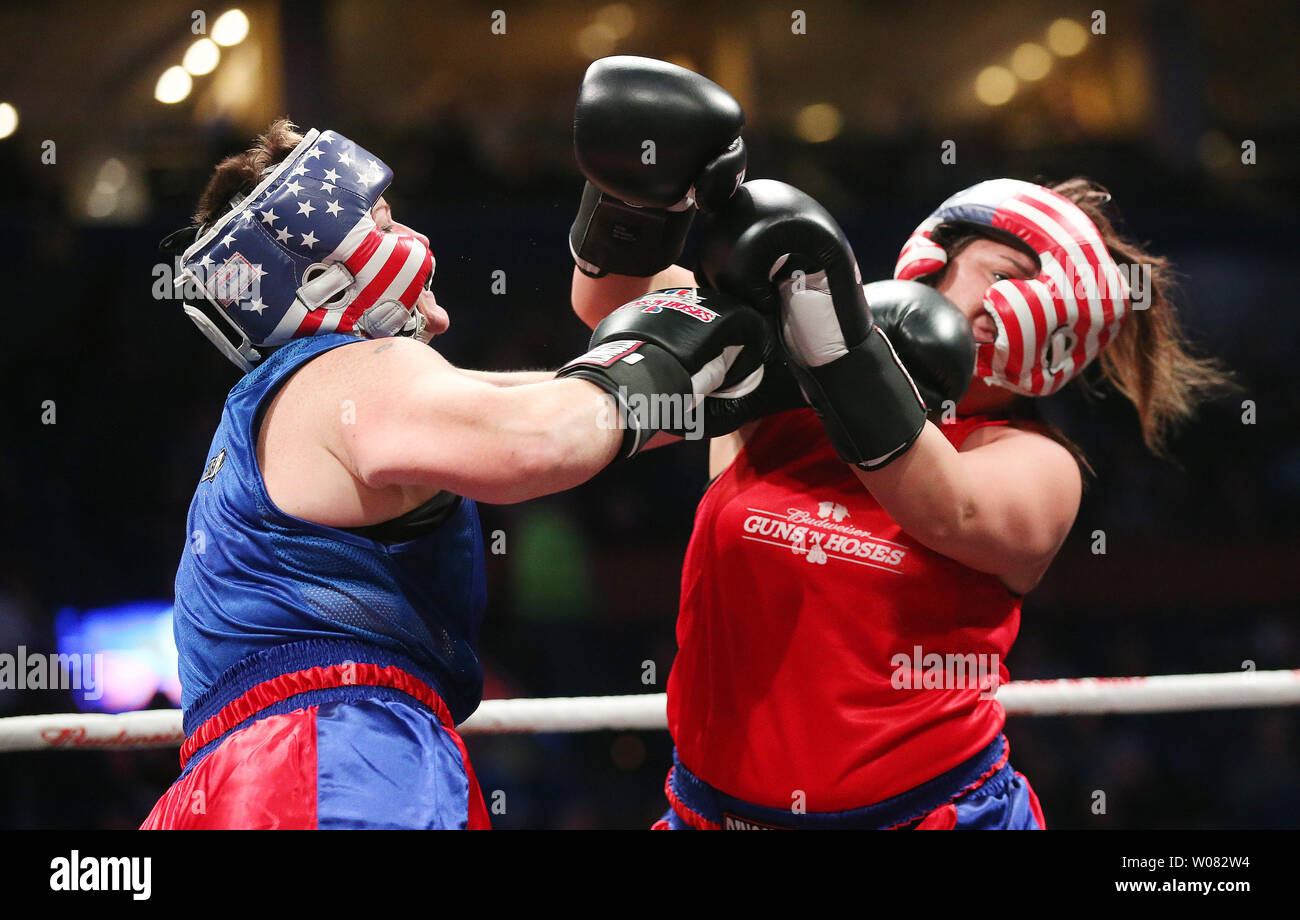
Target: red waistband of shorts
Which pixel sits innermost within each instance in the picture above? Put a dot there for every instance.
(348, 674)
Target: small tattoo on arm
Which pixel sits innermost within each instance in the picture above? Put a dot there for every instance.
(384, 346)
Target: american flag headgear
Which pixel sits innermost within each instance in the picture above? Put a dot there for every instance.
(300, 255)
(1049, 327)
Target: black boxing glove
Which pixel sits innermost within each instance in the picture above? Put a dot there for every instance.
(663, 354)
(777, 248)
(640, 200)
(778, 391)
(931, 336)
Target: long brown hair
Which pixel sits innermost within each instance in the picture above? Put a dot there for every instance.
(1150, 361)
(241, 172)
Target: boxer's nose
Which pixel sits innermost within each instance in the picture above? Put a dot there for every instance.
(407, 231)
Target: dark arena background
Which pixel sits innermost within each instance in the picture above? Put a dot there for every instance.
(1186, 111)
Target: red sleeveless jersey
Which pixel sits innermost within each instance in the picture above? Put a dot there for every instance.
(822, 649)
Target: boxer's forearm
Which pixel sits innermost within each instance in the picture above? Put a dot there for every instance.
(577, 425)
(493, 444)
(452, 431)
(595, 298)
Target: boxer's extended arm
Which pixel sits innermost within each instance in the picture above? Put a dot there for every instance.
(412, 421)
(1003, 504)
(509, 378)
(595, 298)
(419, 422)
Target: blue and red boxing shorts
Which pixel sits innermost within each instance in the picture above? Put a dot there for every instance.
(321, 734)
(983, 793)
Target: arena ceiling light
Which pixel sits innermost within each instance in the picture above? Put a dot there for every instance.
(608, 27)
(1031, 62)
(995, 85)
(618, 18)
(818, 123)
(103, 197)
(595, 40)
(231, 28)
(8, 120)
(201, 57)
(1066, 38)
(173, 86)
(114, 192)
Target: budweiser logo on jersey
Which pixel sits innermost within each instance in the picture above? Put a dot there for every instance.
(822, 536)
(832, 510)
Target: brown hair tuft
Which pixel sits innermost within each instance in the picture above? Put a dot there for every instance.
(239, 174)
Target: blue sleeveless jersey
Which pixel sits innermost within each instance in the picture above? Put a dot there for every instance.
(254, 577)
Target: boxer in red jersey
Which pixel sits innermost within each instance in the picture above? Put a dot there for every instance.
(843, 624)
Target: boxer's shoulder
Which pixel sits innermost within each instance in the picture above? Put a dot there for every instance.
(333, 392)
(369, 375)
(370, 361)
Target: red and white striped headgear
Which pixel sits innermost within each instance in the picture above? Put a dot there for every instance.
(1050, 327)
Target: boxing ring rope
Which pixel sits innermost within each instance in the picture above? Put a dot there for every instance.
(161, 728)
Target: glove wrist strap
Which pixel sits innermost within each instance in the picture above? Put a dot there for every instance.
(613, 237)
(867, 402)
(650, 388)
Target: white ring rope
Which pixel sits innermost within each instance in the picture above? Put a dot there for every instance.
(159, 728)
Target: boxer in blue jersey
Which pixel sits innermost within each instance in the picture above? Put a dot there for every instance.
(329, 598)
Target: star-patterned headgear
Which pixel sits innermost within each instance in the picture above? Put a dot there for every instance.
(300, 255)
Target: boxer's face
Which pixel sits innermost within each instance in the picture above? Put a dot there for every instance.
(437, 320)
(979, 265)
